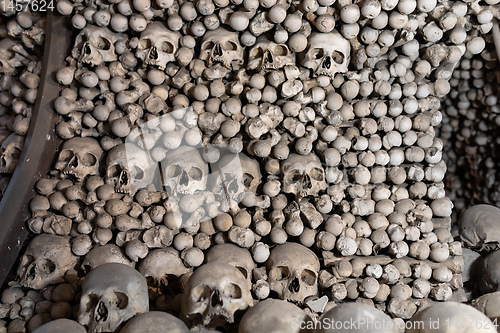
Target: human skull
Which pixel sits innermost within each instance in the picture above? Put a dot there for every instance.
(157, 45)
(213, 295)
(439, 318)
(303, 175)
(480, 227)
(96, 45)
(12, 56)
(160, 265)
(129, 168)
(293, 272)
(233, 174)
(10, 152)
(155, 322)
(61, 325)
(111, 294)
(267, 55)
(222, 46)
(328, 53)
(79, 157)
(102, 255)
(489, 276)
(233, 255)
(46, 261)
(276, 316)
(184, 171)
(366, 319)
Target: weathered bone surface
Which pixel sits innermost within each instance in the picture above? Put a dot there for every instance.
(232, 255)
(155, 322)
(96, 45)
(79, 157)
(157, 45)
(61, 326)
(111, 294)
(480, 227)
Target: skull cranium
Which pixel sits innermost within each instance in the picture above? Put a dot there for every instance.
(46, 261)
(129, 168)
(293, 272)
(328, 53)
(111, 294)
(213, 295)
(96, 45)
(222, 46)
(12, 56)
(10, 152)
(303, 175)
(79, 157)
(234, 256)
(267, 55)
(157, 45)
(480, 227)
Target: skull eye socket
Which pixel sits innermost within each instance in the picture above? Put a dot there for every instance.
(201, 293)
(16, 154)
(338, 57)
(308, 277)
(144, 44)
(247, 179)
(46, 266)
(207, 45)
(173, 171)
(88, 159)
(103, 44)
(114, 171)
(89, 302)
(138, 173)
(232, 290)
(297, 175)
(121, 300)
(66, 155)
(316, 174)
(317, 53)
(256, 52)
(243, 271)
(230, 46)
(279, 273)
(167, 47)
(195, 173)
(280, 50)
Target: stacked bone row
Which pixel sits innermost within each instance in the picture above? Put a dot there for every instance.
(22, 36)
(330, 109)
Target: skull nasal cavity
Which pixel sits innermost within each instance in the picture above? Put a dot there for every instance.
(327, 62)
(268, 57)
(294, 286)
(216, 299)
(184, 179)
(86, 49)
(74, 162)
(101, 312)
(307, 182)
(217, 52)
(153, 54)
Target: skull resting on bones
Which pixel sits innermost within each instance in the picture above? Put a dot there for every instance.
(79, 157)
(157, 45)
(129, 168)
(46, 261)
(303, 175)
(10, 152)
(96, 45)
(328, 54)
(293, 272)
(12, 55)
(184, 171)
(266, 55)
(213, 295)
(222, 46)
(111, 294)
(104, 254)
(480, 227)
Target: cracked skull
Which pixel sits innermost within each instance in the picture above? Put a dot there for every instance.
(266, 55)
(12, 55)
(129, 168)
(213, 295)
(303, 175)
(96, 45)
(293, 272)
(10, 152)
(79, 158)
(157, 45)
(328, 53)
(111, 294)
(222, 46)
(184, 171)
(46, 261)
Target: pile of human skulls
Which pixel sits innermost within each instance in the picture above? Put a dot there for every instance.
(230, 160)
(21, 47)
